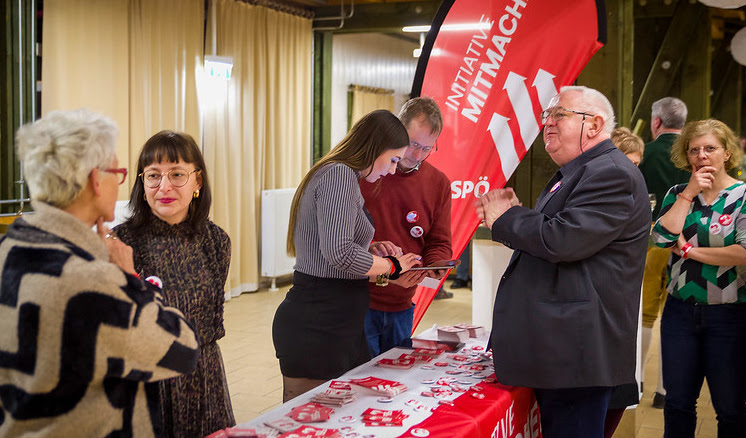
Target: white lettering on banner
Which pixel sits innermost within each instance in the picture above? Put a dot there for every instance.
(479, 88)
(506, 426)
(460, 189)
(514, 10)
(454, 101)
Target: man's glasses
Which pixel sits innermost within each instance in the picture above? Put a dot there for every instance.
(425, 149)
(708, 150)
(121, 171)
(558, 113)
(177, 177)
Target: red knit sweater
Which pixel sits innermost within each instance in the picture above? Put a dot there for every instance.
(426, 192)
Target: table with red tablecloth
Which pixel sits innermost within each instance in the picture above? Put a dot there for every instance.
(475, 407)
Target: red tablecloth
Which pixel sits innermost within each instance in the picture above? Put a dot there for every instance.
(505, 411)
(485, 410)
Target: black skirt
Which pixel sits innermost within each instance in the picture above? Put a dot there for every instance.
(319, 329)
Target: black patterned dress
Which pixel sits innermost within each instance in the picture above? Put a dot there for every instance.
(193, 270)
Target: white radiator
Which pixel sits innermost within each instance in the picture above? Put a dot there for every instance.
(275, 218)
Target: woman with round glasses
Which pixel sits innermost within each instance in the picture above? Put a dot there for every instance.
(703, 327)
(173, 239)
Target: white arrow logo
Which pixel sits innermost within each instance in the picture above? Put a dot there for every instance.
(544, 84)
(499, 130)
(524, 111)
(503, 139)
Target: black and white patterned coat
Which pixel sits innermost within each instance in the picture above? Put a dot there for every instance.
(79, 338)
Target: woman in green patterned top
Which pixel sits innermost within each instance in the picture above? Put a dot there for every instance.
(703, 328)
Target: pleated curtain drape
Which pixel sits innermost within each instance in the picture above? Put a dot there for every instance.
(366, 99)
(85, 63)
(259, 136)
(133, 60)
(138, 61)
(166, 41)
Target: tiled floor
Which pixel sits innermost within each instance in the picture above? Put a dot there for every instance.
(256, 384)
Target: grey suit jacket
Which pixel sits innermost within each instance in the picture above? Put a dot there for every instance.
(566, 309)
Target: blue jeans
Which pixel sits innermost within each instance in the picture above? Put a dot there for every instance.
(573, 412)
(386, 330)
(462, 270)
(698, 342)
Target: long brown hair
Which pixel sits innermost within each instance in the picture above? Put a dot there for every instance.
(372, 135)
(171, 146)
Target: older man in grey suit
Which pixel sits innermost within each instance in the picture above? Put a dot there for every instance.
(565, 318)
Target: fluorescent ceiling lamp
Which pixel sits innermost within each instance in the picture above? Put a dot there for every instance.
(448, 27)
(218, 66)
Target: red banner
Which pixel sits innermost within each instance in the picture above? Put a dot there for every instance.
(492, 66)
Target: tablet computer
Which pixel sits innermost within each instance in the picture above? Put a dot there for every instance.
(440, 264)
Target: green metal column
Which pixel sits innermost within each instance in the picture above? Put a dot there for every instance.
(18, 79)
(322, 93)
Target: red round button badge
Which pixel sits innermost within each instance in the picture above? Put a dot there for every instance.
(715, 228)
(725, 219)
(155, 280)
(420, 432)
(412, 217)
(416, 231)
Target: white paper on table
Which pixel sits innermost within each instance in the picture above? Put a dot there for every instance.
(430, 282)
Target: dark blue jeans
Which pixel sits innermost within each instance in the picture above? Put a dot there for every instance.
(386, 330)
(462, 270)
(698, 342)
(573, 412)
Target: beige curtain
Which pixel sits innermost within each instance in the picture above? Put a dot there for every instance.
(133, 60)
(85, 49)
(366, 99)
(258, 136)
(166, 41)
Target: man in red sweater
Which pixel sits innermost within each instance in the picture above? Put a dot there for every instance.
(411, 212)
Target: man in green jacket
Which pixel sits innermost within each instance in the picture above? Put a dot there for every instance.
(667, 118)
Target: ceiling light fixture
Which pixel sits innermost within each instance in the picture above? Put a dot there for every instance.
(448, 27)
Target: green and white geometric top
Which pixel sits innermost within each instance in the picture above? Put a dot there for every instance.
(717, 225)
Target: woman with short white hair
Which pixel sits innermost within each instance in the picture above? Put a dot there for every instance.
(79, 330)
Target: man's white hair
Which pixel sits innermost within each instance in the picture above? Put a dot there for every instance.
(60, 150)
(594, 102)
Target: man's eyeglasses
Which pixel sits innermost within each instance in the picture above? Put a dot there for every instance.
(708, 150)
(177, 177)
(121, 171)
(558, 113)
(425, 149)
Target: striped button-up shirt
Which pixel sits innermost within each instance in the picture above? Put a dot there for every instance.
(333, 230)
